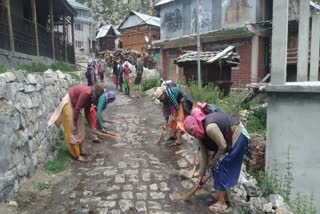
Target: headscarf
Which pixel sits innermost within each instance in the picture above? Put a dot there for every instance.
(90, 61)
(159, 91)
(196, 118)
(110, 95)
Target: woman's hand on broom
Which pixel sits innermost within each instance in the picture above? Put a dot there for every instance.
(200, 183)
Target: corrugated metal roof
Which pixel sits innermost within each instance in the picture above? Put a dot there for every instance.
(163, 2)
(136, 19)
(103, 31)
(151, 20)
(77, 5)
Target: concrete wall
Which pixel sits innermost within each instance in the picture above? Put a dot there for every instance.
(179, 17)
(293, 124)
(26, 103)
(9, 59)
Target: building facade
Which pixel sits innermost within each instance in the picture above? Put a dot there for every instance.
(35, 31)
(84, 31)
(138, 31)
(243, 24)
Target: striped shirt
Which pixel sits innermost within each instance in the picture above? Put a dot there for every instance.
(172, 95)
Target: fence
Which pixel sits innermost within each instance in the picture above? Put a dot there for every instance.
(24, 38)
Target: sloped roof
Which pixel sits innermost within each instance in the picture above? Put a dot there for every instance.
(145, 19)
(162, 2)
(206, 57)
(103, 31)
(77, 5)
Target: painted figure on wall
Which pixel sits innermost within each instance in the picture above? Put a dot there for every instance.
(237, 10)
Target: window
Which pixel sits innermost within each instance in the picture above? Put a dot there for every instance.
(78, 26)
(79, 44)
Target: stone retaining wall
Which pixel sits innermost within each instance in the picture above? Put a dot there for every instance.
(26, 103)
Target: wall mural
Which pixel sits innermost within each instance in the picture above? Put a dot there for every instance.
(236, 10)
(173, 21)
(204, 19)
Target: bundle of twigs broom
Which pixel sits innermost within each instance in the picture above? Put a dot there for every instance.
(188, 196)
(110, 135)
(161, 136)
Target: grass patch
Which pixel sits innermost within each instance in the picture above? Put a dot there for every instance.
(39, 186)
(62, 157)
(3, 69)
(40, 68)
(271, 182)
(150, 83)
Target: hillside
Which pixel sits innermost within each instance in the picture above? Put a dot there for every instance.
(113, 11)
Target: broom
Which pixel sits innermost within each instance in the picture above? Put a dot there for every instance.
(113, 136)
(160, 138)
(188, 196)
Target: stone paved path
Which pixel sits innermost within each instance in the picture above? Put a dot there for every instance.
(133, 175)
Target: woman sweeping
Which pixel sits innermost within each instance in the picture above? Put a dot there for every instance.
(222, 133)
(68, 113)
(96, 112)
(177, 104)
(126, 79)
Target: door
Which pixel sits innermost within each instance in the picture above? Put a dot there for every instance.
(172, 68)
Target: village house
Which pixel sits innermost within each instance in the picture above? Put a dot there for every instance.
(29, 31)
(242, 24)
(85, 31)
(106, 37)
(139, 30)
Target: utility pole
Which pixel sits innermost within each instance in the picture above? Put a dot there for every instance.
(198, 43)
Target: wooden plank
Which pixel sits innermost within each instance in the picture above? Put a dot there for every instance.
(52, 29)
(72, 30)
(7, 4)
(221, 54)
(35, 24)
(65, 38)
(315, 47)
(303, 40)
(279, 42)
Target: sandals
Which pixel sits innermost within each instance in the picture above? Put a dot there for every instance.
(218, 208)
(82, 159)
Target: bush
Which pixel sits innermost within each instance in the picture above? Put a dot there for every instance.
(208, 94)
(150, 83)
(257, 122)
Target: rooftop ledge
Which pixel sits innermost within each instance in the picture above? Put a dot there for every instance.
(303, 87)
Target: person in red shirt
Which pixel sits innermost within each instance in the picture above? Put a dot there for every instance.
(126, 78)
(68, 113)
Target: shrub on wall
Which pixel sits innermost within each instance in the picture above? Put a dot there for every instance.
(150, 83)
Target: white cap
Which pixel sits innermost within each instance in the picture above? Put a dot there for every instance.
(159, 91)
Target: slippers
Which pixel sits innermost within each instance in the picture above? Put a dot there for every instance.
(82, 159)
(218, 208)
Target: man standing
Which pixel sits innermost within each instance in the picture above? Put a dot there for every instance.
(115, 74)
(120, 69)
(137, 81)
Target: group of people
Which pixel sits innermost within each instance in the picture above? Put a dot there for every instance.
(93, 99)
(121, 75)
(221, 138)
(92, 67)
(218, 134)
